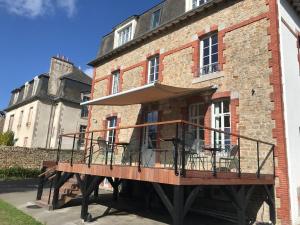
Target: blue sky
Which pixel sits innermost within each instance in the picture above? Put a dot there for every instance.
(34, 30)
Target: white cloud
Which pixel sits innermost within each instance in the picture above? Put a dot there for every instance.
(35, 8)
(89, 71)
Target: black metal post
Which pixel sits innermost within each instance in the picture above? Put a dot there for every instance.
(178, 204)
(140, 150)
(176, 152)
(274, 165)
(50, 192)
(41, 185)
(183, 152)
(112, 155)
(58, 149)
(91, 149)
(214, 155)
(85, 198)
(258, 163)
(72, 152)
(239, 155)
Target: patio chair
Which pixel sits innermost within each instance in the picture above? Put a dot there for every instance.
(197, 154)
(231, 161)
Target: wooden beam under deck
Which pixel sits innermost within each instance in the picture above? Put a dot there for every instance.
(167, 176)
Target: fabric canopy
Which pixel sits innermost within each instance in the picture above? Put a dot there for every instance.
(145, 94)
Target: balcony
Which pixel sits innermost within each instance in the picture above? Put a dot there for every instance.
(169, 152)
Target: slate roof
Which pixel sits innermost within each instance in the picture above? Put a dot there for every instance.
(79, 76)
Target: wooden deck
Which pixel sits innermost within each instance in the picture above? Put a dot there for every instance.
(167, 176)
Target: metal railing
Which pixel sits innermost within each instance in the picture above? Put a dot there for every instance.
(175, 145)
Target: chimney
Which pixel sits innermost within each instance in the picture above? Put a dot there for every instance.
(58, 67)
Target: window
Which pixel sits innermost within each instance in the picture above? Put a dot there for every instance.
(111, 134)
(125, 35)
(197, 3)
(35, 85)
(115, 82)
(153, 69)
(150, 132)
(29, 117)
(16, 96)
(26, 90)
(209, 54)
(155, 19)
(85, 109)
(196, 115)
(20, 118)
(11, 122)
(82, 130)
(221, 121)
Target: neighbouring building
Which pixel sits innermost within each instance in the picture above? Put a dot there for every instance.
(2, 119)
(222, 75)
(49, 105)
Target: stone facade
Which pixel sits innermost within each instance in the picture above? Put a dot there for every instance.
(249, 77)
(32, 158)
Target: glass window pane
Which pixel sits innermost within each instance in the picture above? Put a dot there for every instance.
(226, 107)
(206, 42)
(214, 39)
(214, 49)
(205, 61)
(214, 58)
(205, 52)
(227, 121)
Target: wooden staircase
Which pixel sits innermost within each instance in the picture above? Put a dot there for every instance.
(69, 190)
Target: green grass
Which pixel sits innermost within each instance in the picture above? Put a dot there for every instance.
(9, 215)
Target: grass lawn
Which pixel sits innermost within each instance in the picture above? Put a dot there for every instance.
(9, 215)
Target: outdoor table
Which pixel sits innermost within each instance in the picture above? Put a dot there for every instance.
(213, 151)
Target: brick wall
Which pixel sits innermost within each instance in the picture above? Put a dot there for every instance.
(32, 157)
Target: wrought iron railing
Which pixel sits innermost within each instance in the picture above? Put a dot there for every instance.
(175, 145)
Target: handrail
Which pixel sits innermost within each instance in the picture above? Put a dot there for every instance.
(168, 123)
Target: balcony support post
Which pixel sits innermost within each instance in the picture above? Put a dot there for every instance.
(56, 190)
(240, 197)
(269, 189)
(41, 184)
(115, 184)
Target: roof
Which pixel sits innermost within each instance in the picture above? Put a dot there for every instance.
(173, 13)
(78, 75)
(46, 75)
(148, 93)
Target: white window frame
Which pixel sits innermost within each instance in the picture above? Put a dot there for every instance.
(111, 134)
(131, 23)
(21, 118)
(152, 25)
(115, 83)
(16, 96)
(11, 122)
(189, 4)
(212, 66)
(196, 118)
(222, 115)
(26, 88)
(35, 85)
(153, 62)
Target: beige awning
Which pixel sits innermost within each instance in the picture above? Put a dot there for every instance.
(145, 94)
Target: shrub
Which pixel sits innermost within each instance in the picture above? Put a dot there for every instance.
(7, 138)
(18, 172)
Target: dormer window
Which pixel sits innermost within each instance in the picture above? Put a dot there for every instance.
(124, 33)
(192, 4)
(16, 96)
(26, 90)
(35, 85)
(155, 19)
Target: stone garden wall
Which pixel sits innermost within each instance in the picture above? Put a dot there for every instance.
(32, 157)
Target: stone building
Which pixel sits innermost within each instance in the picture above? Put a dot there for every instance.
(242, 54)
(2, 119)
(49, 105)
(218, 78)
